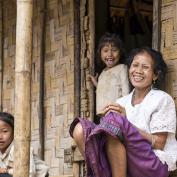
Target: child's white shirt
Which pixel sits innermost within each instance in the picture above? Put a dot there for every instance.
(112, 84)
(38, 168)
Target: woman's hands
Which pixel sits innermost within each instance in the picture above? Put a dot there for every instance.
(113, 107)
(3, 170)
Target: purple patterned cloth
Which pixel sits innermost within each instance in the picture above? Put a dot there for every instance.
(141, 160)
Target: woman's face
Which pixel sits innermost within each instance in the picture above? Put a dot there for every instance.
(110, 55)
(6, 135)
(141, 71)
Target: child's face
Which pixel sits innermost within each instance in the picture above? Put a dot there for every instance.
(6, 135)
(110, 55)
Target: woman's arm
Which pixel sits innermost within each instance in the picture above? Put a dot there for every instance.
(157, 140)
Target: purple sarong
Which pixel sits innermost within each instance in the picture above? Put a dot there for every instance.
(141, 160)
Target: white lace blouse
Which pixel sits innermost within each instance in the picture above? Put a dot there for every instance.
(156, 113)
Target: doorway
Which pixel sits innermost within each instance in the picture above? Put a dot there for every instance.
(132, 20)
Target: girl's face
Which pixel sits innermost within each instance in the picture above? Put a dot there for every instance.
(6, 135)
(141, 72)
(110, 55)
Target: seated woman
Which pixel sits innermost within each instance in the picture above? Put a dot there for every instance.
(38, 168)
(136, 136)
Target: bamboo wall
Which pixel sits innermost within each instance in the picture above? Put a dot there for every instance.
(169, 43)
(169, 47)
(59, 82)
(58, 78)
(59, 70)
(8, 55)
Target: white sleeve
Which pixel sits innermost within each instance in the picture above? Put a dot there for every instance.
(41, 167)
(38, 168)
(164, 117)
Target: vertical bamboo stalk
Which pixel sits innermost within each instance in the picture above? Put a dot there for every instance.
(92, 54)
(156, 25)
(1, 52)
(77, 71)
(43, 6)
(22, 88)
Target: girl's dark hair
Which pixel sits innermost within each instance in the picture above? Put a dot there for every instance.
(114, 39)
(160, 67)
(8, 118)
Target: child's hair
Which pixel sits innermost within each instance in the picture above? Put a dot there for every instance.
(114, 39)
(8, 118)
(160, 67)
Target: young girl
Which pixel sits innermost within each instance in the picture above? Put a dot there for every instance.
(113, 80)
(37, 167)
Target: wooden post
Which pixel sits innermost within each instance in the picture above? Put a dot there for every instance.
(23, 88)
(77, 71)
(1, 52)
(156, 24)
(92, 55)
(43, 6)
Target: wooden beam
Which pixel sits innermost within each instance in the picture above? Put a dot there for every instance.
(1, 53)
(43, 6)
(156, 25)
(77, 67)
(23, 88)
(92, 55)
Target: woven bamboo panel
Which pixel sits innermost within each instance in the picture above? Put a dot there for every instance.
(8, 70)
(59, 77)
(169, 43)
(59, 82)
(169, 47)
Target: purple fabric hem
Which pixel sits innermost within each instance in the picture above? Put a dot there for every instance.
(141, 160)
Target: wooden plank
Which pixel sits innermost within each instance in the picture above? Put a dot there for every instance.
(156, 25)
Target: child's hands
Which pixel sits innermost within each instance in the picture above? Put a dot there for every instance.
(94, 79)
(3, 170)
(114, 107)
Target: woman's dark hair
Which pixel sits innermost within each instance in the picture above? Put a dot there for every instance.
(114, 39)
(160, 67)
(8, 118)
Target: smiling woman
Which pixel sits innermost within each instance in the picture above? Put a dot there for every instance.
(136, 136)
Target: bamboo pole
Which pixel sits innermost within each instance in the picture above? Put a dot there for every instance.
(1, 52)
(77, 72)
(156, 35)
(22, 88)
(92, 55)
(77, 69)
(43, 6)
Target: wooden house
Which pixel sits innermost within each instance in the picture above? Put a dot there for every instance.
(47, 49)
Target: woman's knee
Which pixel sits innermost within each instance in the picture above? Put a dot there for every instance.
(78, 132)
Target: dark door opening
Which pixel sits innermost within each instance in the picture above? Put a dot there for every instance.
(132, 20)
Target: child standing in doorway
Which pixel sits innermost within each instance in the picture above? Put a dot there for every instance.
(37, 167)
(113, 81)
